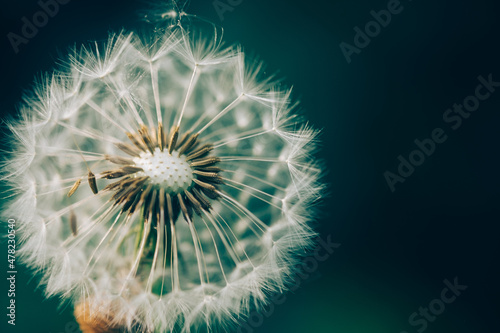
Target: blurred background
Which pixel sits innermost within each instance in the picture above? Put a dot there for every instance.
(393, 249)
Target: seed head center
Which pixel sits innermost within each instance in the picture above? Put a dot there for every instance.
(169, 171)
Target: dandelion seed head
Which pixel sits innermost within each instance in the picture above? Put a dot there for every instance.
(162, 181)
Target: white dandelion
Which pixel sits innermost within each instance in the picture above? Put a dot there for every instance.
(161, 183)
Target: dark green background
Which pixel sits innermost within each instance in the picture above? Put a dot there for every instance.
(396, 248)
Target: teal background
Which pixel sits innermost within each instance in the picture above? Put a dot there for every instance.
(396, 248)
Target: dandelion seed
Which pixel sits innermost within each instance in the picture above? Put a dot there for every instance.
(74, 187)
(202, 186)
(73, 223)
